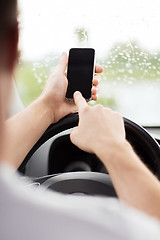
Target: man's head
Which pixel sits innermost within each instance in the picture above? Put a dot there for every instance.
(8, 55)
(8, 34)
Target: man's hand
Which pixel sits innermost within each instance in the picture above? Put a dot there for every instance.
(50, 107)
(54, 92)
(98, 128)
(101, 131)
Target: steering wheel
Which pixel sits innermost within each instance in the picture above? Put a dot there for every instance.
(94, 183)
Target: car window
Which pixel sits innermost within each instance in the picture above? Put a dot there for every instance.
(125, 35)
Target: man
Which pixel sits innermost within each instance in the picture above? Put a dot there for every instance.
(29, 214)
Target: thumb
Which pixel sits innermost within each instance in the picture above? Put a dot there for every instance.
(61, 67)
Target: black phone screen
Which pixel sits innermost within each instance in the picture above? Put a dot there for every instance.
(80, 71)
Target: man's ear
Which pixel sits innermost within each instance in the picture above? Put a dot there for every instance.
(12, 48)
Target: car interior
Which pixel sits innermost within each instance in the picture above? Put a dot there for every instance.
(58, 164)
(130, 84)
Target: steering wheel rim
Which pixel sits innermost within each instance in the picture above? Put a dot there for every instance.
(146, 141)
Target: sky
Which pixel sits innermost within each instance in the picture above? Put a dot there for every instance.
(48, 26)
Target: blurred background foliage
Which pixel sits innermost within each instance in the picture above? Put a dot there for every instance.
(125, 62)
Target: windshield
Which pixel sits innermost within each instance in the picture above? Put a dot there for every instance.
(125, 35)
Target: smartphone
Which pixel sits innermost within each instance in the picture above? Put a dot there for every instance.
(81, 66)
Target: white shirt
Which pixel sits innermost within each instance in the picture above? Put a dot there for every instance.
(28, 213)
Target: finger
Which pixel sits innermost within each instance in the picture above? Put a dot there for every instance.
(94, 90)
(95, 82)
(61, 67)
(98, 69)
(79, 101)
(94, 97)
(96, 79)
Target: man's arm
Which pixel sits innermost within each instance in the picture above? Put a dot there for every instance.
(133, 182)
(26, 127)
(101, 131)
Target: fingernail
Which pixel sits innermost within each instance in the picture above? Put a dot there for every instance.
(77, 93)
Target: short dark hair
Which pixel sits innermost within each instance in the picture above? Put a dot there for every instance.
(8, 10)
(8, 22)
